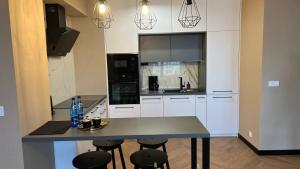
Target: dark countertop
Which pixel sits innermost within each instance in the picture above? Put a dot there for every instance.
(133, 128)
(162, 93)
(61, 110)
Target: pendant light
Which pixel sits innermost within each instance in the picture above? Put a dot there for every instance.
(101, 15)
(189, 15)
(144, 18)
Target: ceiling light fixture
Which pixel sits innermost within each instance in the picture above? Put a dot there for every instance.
(101, 15)
(189, 15)
(144, 18)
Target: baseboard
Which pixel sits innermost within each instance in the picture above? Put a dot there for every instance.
(268, 152)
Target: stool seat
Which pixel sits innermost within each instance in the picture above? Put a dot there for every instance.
(152, 143)
(92, 160)
(148, 159)
(108, 144)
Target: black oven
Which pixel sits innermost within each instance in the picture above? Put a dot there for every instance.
(123, 79)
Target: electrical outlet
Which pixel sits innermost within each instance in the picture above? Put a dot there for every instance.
(274, 83)
(1, 111)
(250, 134)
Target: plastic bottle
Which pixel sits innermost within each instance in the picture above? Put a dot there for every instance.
(79, 109)
(73, 114)
(188, 86)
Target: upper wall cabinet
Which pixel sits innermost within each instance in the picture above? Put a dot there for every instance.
(162, 10)
(223, 15)
(122, 36)
(223, 62)
(176, 26)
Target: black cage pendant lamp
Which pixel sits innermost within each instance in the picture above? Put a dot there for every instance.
(101, 15)
(144, 19)
(189, 15)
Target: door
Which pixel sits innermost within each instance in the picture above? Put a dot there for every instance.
(124, 111)
(201, 108)
(122, 37)
(222, 115)
(223, 62)
(179, 105)
(223, 15)
(176, 26)
(162, 11)
(152, 106)
(155, 48)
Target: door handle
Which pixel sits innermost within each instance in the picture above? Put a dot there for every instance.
(179, 98)
(124, 107)
(222, 97)
(151, 98)
(200, 97)
(222, 91)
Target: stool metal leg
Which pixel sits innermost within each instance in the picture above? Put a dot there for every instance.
(122, 157)
(141, 147)
(167, 162)
(113, 159)
(162, 167)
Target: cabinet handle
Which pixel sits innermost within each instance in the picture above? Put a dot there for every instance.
(200, 97)
(180, 98)
(124, 107)
(151, 99)
(222, 91)
(222, 97)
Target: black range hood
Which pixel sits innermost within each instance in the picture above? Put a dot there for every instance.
(60, 38)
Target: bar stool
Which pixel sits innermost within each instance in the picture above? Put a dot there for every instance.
(92, 160)
(111, 145)
(154, 144)
(149, 159)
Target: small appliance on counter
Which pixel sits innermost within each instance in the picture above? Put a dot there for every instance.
(153, 83)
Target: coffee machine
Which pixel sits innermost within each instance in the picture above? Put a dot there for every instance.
(153, 83)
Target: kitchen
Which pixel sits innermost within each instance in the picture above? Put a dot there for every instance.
(211, 72)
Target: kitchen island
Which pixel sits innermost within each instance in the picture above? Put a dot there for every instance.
(39, 150)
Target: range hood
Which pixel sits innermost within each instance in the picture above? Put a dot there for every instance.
(60, 38)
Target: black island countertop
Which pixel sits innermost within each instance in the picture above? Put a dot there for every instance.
(162, 92)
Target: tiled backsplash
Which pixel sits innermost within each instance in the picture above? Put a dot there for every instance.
(168, 73)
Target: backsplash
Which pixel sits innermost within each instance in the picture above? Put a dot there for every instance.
(168, 73)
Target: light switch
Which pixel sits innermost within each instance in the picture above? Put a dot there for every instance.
(1, 111)
(274, 83)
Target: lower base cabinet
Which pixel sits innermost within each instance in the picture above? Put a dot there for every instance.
(222, 115)
(152, 106)
(179, 105)
(124, 111)
(201, 111)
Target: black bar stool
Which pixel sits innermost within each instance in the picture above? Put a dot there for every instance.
(111, 145)
(149, 159)
(154, 144)
(92, 160)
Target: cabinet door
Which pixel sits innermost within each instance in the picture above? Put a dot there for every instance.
(155, 48)
(187, 47)
(124, 111)
(223, 62)
(162, 11)
(222, 115)
(223, 15)
(176, 26)
(122, 36)
(201, 108)
(152, 106)
(179, 105)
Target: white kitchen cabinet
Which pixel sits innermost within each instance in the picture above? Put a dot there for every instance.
(99, 110)
(201, 108)
(163, 13)
(152, 106)
(223, 62)
(85, 146)
(222, 115)
(223, 15)
(179, 105)
(124, 111)
(122, 36)
(176, 26)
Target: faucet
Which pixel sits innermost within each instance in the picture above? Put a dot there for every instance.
(181, 84)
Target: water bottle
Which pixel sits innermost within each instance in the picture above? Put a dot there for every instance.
(73, 114)
(79, 109)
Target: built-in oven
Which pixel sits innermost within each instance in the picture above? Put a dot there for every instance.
(123, 79)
